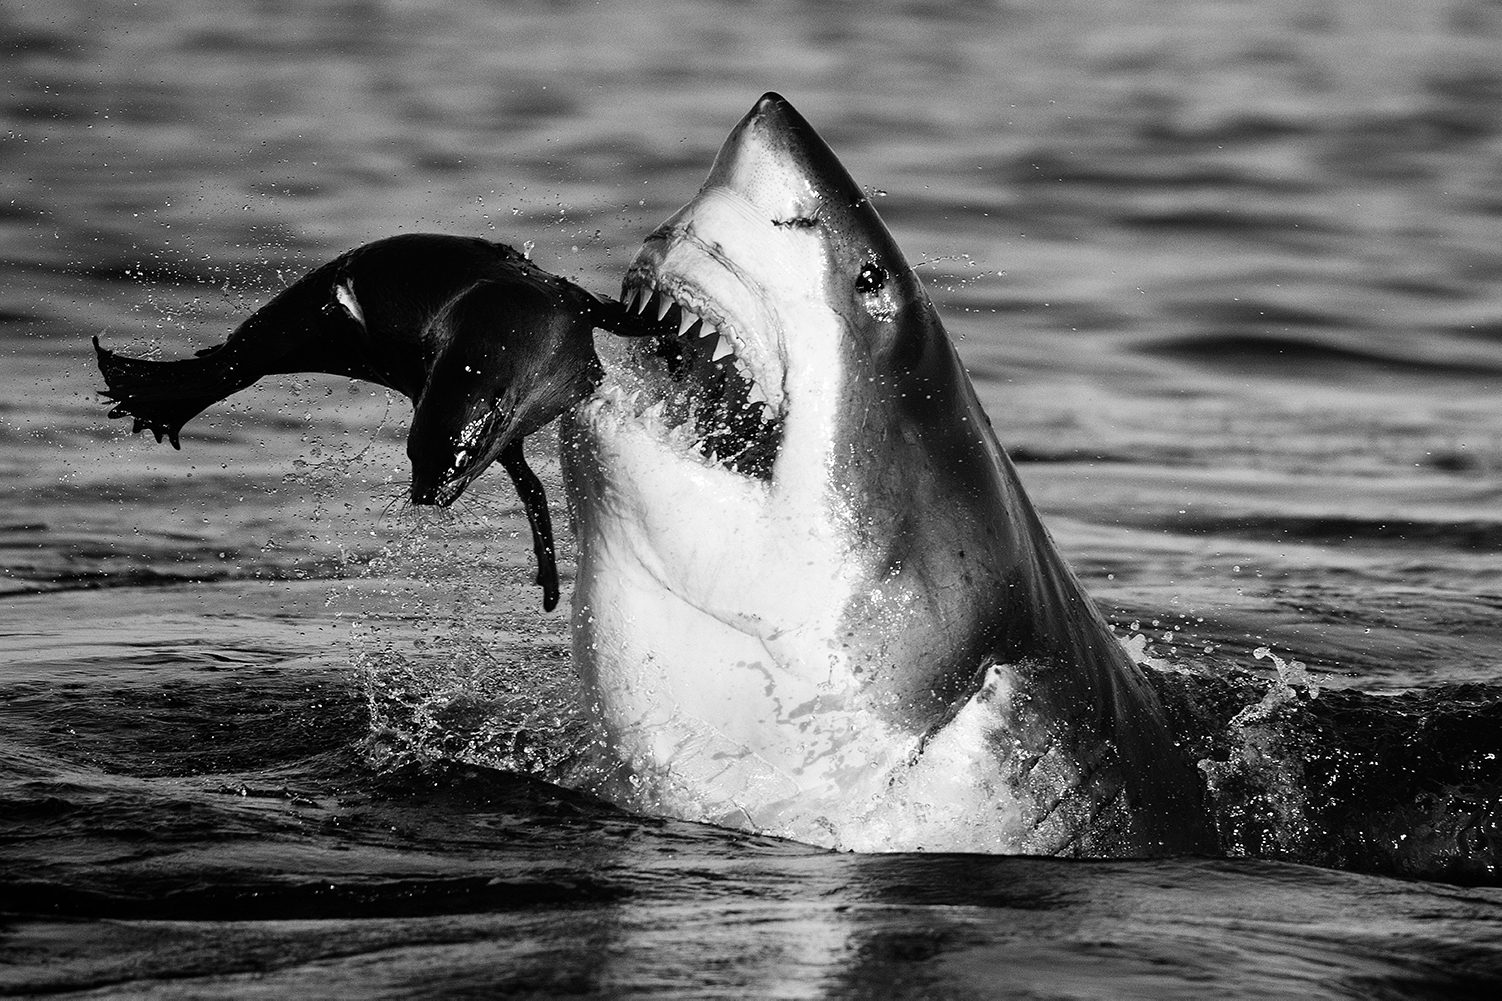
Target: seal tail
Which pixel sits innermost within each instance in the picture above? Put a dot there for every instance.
(162, 396)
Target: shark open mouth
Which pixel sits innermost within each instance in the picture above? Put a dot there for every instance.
(691, 362)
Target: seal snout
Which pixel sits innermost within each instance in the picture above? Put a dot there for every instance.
(437, 494)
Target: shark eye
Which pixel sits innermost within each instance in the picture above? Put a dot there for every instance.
(872, 277)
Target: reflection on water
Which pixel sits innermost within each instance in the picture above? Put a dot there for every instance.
(1228, 278)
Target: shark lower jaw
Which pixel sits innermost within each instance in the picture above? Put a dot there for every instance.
(701, 378)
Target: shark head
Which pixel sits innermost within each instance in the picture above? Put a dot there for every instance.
(778, 292)
(802, 554)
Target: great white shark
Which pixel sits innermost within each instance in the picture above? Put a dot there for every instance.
(813, 599)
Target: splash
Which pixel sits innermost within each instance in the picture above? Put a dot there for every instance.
(1406, 784)
(457, 667)
(1285, 690)
(464, 699)
(454, 661)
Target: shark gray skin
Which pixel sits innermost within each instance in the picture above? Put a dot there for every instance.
(813, 599)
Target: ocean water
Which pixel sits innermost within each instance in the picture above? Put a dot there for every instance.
(1227, 276)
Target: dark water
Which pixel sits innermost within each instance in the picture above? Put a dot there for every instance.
(1228, 278)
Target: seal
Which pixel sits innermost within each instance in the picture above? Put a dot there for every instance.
(813, 598)
(488, 346)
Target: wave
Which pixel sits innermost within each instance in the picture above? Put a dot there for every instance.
(1290, 356)
(15, 585)
(1048, 167)
(1474, 535)
(1407, 785)
(311, 899)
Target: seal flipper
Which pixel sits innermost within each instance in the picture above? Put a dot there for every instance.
(162, 396)
(529, 488)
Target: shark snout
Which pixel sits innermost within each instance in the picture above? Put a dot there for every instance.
(777, 162)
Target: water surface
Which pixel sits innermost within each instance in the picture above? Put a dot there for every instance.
(1228, 278)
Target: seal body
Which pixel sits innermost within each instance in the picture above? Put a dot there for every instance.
(488, 347)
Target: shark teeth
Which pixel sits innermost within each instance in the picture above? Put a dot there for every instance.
(728, 417)
(644, 300)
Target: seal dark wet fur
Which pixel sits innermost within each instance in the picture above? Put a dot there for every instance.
(488, 346)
